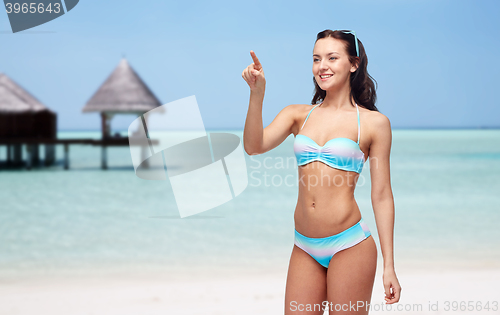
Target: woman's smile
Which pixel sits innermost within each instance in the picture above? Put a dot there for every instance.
(325, 76)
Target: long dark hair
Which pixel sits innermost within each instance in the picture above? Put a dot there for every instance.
(362, 84)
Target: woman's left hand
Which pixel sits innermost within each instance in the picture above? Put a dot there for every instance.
(391, 282)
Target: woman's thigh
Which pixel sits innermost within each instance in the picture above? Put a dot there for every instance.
(350, 278)
(305, 284)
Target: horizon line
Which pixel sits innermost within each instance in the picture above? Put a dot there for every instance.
(393, 128)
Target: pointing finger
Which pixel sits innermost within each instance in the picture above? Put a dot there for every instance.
(256, 61)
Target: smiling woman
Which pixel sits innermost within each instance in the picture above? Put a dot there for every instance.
(363, 89)
(334, 257)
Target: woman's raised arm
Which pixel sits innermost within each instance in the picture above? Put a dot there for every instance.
(256, 139)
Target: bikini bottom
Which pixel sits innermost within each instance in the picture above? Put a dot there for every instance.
(323, 249)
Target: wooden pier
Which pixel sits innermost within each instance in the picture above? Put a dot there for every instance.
(14, 149)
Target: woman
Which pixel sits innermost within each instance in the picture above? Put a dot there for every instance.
(335, 257)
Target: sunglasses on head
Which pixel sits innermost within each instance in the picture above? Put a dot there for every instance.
(355, 39)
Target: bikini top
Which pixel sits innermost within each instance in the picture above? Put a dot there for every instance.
(339, 153)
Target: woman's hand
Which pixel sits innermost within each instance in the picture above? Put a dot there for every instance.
(391, 282)
(254, 74)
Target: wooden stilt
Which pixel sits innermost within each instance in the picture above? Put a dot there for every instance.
(28, 156)
(9, 154)
(104, 158)
(35, 154)
(17, 154)
(66, 156)
(50, 154)
(144, 151)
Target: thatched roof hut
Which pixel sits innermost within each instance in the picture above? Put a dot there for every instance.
(22, 115)
(123, 92)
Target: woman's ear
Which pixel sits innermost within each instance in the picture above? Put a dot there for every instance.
(355, 66)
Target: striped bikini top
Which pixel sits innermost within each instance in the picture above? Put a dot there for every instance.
(339, 153)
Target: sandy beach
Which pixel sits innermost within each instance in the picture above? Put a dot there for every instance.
(232, 294)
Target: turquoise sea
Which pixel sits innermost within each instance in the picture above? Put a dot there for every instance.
(446, 185)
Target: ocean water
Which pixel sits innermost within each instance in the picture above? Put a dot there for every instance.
(85, 220)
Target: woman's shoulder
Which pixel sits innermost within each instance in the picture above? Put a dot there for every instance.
(297, 110)
(301, 106)
(374, 122)
(373, 116)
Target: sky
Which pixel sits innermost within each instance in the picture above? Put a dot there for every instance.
(434, 61)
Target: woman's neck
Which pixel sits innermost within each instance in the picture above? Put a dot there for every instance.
(338, 99)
